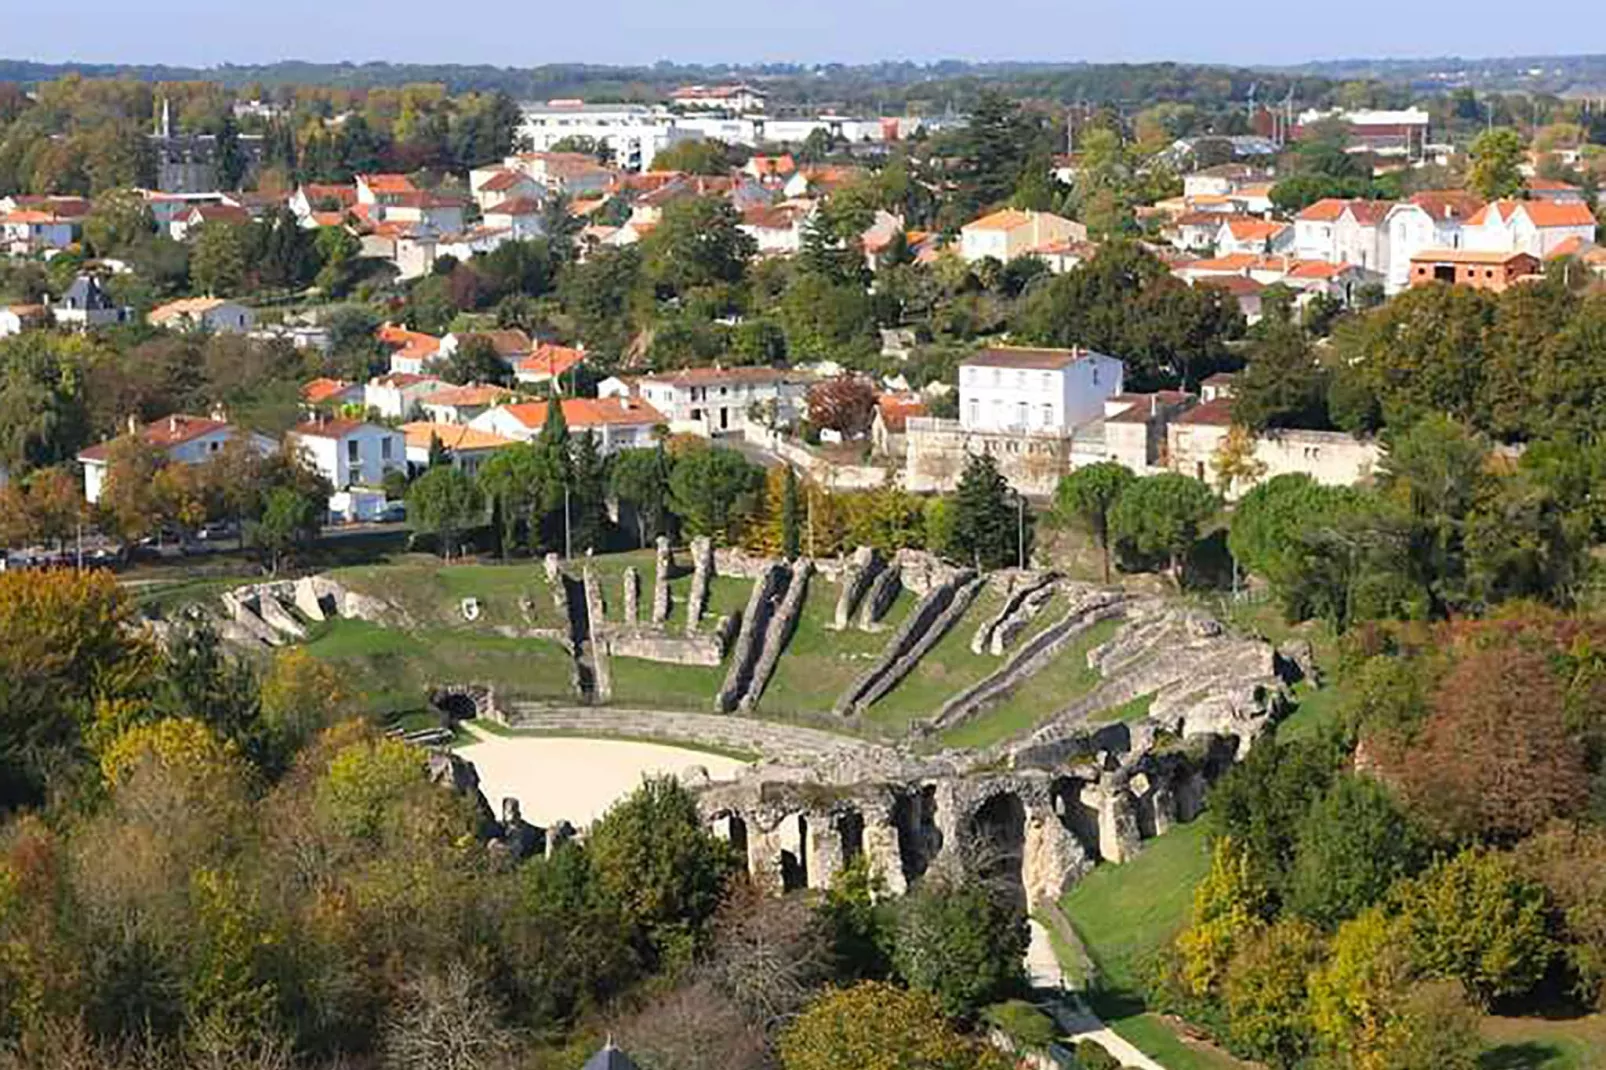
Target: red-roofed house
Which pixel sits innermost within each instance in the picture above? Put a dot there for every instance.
(577, 174)
(510, 344)
(889, 428)
(778, 230)
(461, 404)
(183, 439)
(330, 393)
(548, 365)
(716, 401)
(410, 351)
(1532, 227)
(519, 216)
(1344, 232)
(467, 447)
(493, 185)
(349, 453)
(1246, 234)
(1551, 189)
(619, 422)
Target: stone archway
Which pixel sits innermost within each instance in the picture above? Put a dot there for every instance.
(914, 815)
(997, 848)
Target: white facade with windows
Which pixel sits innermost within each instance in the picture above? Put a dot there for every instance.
(1035, 391)
(350, 454)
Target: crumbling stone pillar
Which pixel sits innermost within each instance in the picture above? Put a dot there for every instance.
(660, 585)
(702, 577)
(596, 643)
(881, 848)
(632, 596)
(1119, 838)
(1052, 857)
(883, 592)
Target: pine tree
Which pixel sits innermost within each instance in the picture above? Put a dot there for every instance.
(791, 537)
(984, 528)
(554, 467)
(588, 493)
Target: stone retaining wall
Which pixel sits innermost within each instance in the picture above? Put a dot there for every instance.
(755, 619)
(782, 624)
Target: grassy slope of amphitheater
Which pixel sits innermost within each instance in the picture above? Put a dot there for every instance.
(393, 666)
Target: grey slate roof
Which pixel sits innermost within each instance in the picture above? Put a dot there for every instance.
(610, 1058)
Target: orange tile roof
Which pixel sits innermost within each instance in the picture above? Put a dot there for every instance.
(320, 390)
(1236, 285)
(1254, 229)
(389, 183)
(508, 342)
(588, 412)
(1215, 413)
(1553, 185)
(1004, 219)
(401, 338)
(1573, 246)
(1468, 256)
(1447, 203)
(1539, 213)
(469, 395)
(896, 409)
(459, 437)
(1230, 262)
(505, 180)
(184, 307)
(169, 431)
(1326, 210)
(318, 191)
(516, 206)
(551, 360)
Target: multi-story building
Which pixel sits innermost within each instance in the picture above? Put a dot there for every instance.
(619, 423)
(1035, 391)
(632, 133)
(1534, 227)
(349, 453)
(1344, 232)
(716, 401)
(1432, 219)
(1010, 233)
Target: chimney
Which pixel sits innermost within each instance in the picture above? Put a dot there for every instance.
(1154, 404)
(172, 424)
(133, 425)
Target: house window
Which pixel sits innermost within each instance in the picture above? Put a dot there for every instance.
(998, 377)
(384, 449)
(1095, 375)
(1020, 413)
(975, 412)
(353, 452)
(1048, 415)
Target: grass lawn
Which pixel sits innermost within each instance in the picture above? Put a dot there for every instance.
(1544, 1044)
(394, 670)
(1124, 914)
(656, 685)
(948, 668)
(1059, 683)
(431, 593)
(820, 663)
(1133, 709)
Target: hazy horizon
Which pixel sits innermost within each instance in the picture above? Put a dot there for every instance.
(637, 33)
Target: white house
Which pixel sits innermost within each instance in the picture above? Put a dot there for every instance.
(619, 423)
(1432, 219)
(1007, 234)
(461, 404)
(716, 401)
(493, 185)
(1533, 227)
(576, 174)
(520, 217)
(777, 231)
(739, 98)
(86, 305)
(31, 230)
(397, 395)
(1245, 234)
(203, 314)
(1035, 391)
(184, 440)
(349, 453)
(1344, 232)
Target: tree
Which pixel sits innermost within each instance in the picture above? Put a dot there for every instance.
(1282, 386)
(219, 262)
(129, 501)
(1497, 159)
(876, 1026)
(445, 1020)
(958, 940)
(1351, 846)
(1160, 516)
(1228, 909)
(444, 502)
(1495, 757)
(1087, 497)
(698, 244)
(301, 696)
(118, 220)
(1264, 992)
(1570, 861)
(711, 488)
(1261, 802)
(845, 404)
(984, 532)
(511, 480)
(588, 505)
(655, 861)
(998, 142)
(1475, 919)
(791, 533)
(289, 259)
(1355, 999)
(475, 360)
(694, 156)
(1267, 522)
(641, 477)
(290, 520)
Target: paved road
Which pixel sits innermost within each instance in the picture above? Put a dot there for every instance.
(1074, 1019)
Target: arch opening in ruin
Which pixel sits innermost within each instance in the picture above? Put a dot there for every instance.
(914, 814)
(794, 859)
(997, 848)
(1076, 816)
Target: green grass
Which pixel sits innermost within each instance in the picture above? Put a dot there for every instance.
(947, 669)
(1124, 915)
(819, 663)
(656, 685)
(1133, 709)
(394, 669)
(431, 593)
(1544, 1044)
(1059, 683)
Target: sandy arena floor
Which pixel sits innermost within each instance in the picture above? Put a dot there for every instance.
(559, 778)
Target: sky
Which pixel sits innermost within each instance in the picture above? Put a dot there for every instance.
(206, 33)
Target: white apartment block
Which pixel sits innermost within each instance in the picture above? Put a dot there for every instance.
(716, 401)
(1035, 391)
(349, 453)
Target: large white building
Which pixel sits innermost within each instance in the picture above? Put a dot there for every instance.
(1035, 391)
(1432, 219)
(717, 401)
(349, 453)
(633, 133)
